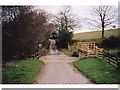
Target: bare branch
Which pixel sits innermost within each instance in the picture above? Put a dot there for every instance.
(106, 16)
(65, 19)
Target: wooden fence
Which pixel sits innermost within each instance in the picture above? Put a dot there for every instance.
(36, 55)
(72, 48)
(111, 59)
(98, 52)
(87, 49)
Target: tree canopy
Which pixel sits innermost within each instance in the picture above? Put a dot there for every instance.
(23, 29)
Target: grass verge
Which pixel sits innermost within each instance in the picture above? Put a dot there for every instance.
(67, 52)
(98, 71)
(21, 71)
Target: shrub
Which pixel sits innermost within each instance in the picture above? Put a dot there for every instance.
(22, 35)
(111, 42)
(75, 54)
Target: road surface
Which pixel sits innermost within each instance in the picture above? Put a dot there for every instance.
(59, 69)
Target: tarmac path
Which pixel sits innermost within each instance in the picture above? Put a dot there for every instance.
(58, 69)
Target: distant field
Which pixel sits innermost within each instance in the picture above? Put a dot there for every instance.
(95, 34)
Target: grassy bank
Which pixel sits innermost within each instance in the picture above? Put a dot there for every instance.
(98, 71)
(95, 34)
(21, 71)
(67, 52)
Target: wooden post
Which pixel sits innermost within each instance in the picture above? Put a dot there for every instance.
(68, 46)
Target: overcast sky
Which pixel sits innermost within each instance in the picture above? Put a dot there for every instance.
(82, 11)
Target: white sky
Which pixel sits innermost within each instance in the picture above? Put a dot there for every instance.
(80, 7)
(81, 11)
(58, 2)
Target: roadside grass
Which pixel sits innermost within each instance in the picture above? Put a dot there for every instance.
(67, 52)
(98, 71)
(95, 35)
(21, 71)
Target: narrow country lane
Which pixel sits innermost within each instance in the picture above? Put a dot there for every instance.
(58, 69)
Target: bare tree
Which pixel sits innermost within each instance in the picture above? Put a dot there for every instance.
(65, 19)
(104, 17)
(10, 13)
(66, 22)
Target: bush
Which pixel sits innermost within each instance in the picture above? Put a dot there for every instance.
(22, 35)
(75, 54)
(118, 53)
(111, 42)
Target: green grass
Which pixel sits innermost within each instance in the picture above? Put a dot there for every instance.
(67, 52)
(98, 71)
(95, 35)
(21, 71)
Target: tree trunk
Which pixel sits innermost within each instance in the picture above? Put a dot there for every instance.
(103, 29)
(102, 32)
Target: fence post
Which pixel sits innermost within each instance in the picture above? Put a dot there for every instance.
(68, 46)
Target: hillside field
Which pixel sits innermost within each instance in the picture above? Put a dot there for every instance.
(95, 34)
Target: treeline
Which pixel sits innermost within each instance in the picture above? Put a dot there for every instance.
(23, 30)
